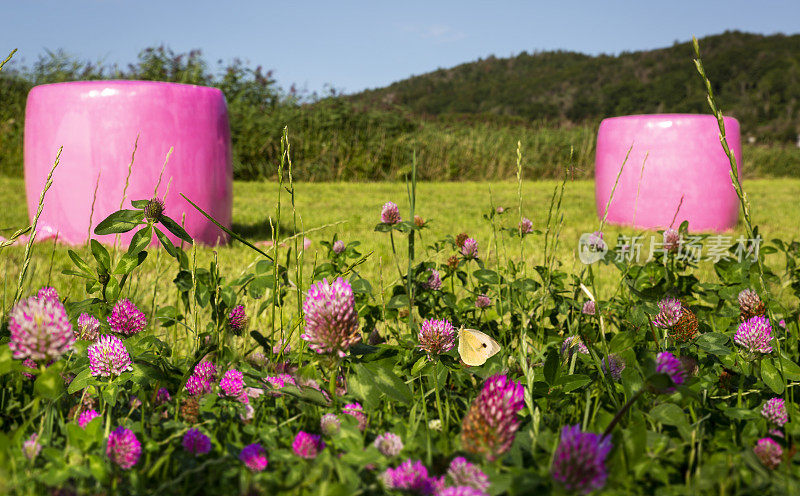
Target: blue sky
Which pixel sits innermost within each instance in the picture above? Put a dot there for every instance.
(357, 45)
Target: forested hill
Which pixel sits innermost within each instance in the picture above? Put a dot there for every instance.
(756, 77)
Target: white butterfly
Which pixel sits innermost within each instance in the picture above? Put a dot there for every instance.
(476, 347)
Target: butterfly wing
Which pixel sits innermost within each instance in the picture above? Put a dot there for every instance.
(475, 347)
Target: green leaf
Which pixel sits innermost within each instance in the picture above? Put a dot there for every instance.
(486, 276)
(385, 380)
(573, 382)
(80, 263)
(166, 243)
(49, 384)
(83, 379)
(119, 222)
(669, 414)
(130, 261)
(397, 301)
(100, 254)
(713, 342)
(771, 377)
(140, 204)
(175, 228)
(551, 367)
(141, 239)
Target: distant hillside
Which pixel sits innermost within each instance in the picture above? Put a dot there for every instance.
(757, 80)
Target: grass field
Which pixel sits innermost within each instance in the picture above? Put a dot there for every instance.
(352, 209)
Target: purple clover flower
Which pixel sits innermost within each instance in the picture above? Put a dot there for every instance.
(108, 357)
(126, 318)
(755, 335)
(123, 447)
(613, 365)
(356, 411)
(666, 363)
(331, 318)
(768, 452)
(338, 246)
(483, 301)
(196, 443)
(469, 249)
(39, 329)
(307, 445)
(589, 308)
(162, 396)
(411, 477)
(47, 293)
(31, 447)
(88, 327)
(389, 444)
(237, 320)
(670, 311)
(491, 422)
(232, 383)
(436, 336)
(579, 462)
(466, 474)
(774, 411)
(85, 417)
(571, 344)
(526, 226)
(390, 213)
(330, 424)
(254, 457)
(434, 282)
(671, 240)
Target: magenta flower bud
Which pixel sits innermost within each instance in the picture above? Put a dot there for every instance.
(162, 396)
(483, 301)
(491, 423)
(434, 281)
(596, 242)
(40, 329)
(356, 411)
(436, 336)
(331, 318)
(755, 335)
(570, 345)
(88, 327)
(108, 357)
(469, 249)
(47, 293)
(85, 417)
(232, 383)
(154, 209)
(126, 318)
(768, 452)
(466, 474)
(579, 462)
(31, 447)
(237, 320)
(666, 363)
(670, 311)
(672, 240)
(307, 445)
(526, 226)
(254, 457)
(774, 411)
(411, 477)
(123, 447)
(589, 308)
(390, 214)
(196, 443)
(613, 365)
(389, 444)
(330, 424)
(338, 246)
